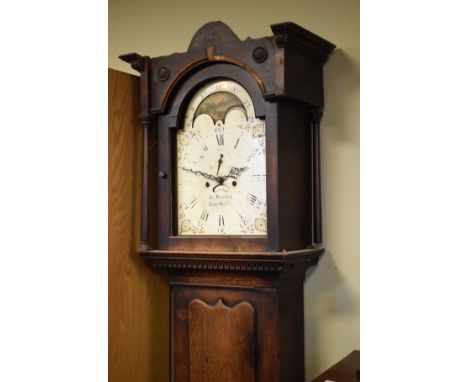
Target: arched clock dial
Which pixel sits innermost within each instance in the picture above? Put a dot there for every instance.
(221, 175)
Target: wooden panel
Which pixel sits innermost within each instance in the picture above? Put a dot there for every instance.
(291, 332)
(263, 301)
(222, 342)
(138, 297)
(294, 174)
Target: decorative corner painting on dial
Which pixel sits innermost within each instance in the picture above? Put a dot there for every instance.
(221, 175)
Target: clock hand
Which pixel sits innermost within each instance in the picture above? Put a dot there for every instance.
(236, 172)
(220, 183)
(204, 174)
(220, 161)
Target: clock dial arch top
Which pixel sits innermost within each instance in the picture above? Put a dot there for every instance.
(220, 71)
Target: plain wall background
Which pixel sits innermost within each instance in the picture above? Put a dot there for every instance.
(331, 290)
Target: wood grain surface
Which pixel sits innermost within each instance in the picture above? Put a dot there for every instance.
(138, 297)
(218, 331)
(222, 342)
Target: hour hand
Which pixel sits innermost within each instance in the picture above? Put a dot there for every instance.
(235, 172)
(204, 174)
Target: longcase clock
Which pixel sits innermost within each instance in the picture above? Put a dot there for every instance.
(231, 203)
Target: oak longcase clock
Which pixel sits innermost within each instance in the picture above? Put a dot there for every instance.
(231, 203)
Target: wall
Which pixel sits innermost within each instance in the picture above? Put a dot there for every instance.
(157, 28)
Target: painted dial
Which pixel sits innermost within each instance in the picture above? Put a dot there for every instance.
(221, 176)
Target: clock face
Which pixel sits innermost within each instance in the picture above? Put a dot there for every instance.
(221, 176)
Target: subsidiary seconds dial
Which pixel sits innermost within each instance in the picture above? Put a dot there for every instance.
(221, 176)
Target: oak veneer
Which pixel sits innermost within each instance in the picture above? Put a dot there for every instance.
(220, 342)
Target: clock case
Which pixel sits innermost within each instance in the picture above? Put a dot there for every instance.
(237, 301)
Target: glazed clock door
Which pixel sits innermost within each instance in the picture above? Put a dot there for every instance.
(221, 176)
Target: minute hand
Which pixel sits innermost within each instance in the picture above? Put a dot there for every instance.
(204, 174)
